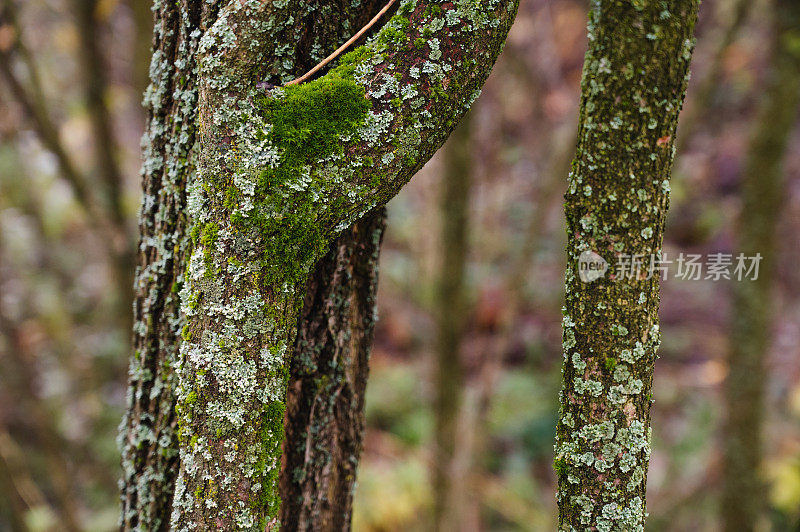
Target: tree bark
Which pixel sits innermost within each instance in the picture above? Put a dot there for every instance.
(228, 75)
(448, 481)
(148, 442)
(744, 492)
(148, 432)
(329, 368)
(633, 87)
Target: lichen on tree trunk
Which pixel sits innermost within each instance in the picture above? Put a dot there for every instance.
(147, 434)
(634, 82)
(147, 439)
(282, 171)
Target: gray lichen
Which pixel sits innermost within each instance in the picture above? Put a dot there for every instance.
(281, 173)
(634, 81)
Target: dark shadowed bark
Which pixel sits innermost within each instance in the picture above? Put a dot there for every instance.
(633, 87)
(325, 399)
(744, 491)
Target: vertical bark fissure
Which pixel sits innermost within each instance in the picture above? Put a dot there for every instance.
(634, 82)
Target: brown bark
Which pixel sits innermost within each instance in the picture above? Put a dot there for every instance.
(325, 400)
(634, 82)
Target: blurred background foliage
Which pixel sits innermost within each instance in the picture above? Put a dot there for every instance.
(70, 123)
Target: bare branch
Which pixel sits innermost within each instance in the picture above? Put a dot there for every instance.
(339, 51)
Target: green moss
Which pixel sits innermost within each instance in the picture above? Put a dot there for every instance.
(191, 398)
(208, 239)
(611, 363)
(271, 439)
(391, 35)
(307, 124)
(434, 10)
(561, 466)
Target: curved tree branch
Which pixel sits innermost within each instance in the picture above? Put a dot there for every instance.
(281, 172)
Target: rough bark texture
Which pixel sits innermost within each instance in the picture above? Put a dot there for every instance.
(254, 247)
(447, 479)
(325, 400)
(633, 87)
(148, 440)
(270, 198)
(744, 492)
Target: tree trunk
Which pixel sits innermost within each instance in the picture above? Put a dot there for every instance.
(325, 400)
(744, 493)
(260, 225)
(448, 481)
(148, 440)
(147, 435)
(633, 87)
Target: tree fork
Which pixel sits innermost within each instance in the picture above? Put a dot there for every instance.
(148, 440)
(269, 200)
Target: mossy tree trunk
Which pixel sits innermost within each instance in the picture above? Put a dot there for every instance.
(744, 492)
(268, 199)
(634, 81)
(148, 441)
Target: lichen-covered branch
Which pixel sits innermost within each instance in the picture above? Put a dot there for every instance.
(282, 172)
(633, 87)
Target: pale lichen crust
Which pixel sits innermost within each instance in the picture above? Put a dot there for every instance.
(634, 81)
(282, 171)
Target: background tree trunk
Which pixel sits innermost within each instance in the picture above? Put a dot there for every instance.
(744, 491)
(633, 87)
(448, 475)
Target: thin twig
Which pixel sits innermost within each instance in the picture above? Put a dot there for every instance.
(343, 47)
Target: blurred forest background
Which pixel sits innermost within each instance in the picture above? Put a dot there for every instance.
(71, 78)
